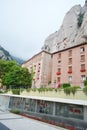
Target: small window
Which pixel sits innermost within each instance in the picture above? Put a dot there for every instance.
(70, 78)
(70, 52)
(70, 60)
(82, 49)
(82, 58)
(83, 77)
(70, 68)
(59, 62)
(58, 79)
(59, 69)
(83, 67)
(59, 55)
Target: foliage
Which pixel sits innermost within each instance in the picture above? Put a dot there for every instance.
(15, 111)
(41, 89)
(1, 91)
(28, 89)
(85, 90)
(69, 90)
(49, 82)
(65, 85)
(34, 89)
(74, 89)
(80, 19)
(85, 83)
(13, 75)
(16, 91)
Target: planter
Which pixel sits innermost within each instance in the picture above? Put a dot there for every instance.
(58, 73)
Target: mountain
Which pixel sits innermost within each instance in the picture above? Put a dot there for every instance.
(18, 60)
(73, 30)
(5, 55)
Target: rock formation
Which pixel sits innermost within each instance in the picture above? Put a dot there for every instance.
(73, 30)
(4, 55)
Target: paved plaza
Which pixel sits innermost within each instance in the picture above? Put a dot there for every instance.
(10, 121)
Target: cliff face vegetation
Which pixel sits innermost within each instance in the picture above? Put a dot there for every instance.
(72, 31)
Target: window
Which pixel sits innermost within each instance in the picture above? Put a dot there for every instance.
(58, 79)
(70, 60)
(83, 77)
(59, 62)
(70, 70)
(82, 68)
(59, 69)
(82, 58)
(82, 49)
(59, 55)
(70, 52)
(70, 78)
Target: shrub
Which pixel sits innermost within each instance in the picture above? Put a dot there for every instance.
(70, 90)
(65, 85)
(85, 90)
(49, 82)
(1, 91)
(41, 89)
(28, 89)
(15, 111)
(85, 83)
(34, 89)
(74, 89)
(16, 91)
(67, 90)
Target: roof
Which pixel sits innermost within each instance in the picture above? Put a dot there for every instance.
(70, 47)
(37, 55)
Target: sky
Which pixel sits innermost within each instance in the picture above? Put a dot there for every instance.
(25, 24)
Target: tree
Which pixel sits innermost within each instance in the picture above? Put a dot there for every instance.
(5, 67)
(14, 75)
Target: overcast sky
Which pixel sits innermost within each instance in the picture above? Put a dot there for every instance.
(25, 24)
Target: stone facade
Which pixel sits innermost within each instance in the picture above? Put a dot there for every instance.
(41, 64)
(66, 66)
(70, 65)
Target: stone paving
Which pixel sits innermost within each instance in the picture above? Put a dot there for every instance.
(10, 121)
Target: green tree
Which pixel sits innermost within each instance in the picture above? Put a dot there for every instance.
(17, 77)
(14, 75)
(5, 67)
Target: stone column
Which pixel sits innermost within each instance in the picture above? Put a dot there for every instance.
(85, 113)
(54, 104)
(36, 106)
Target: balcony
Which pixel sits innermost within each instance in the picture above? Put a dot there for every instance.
(82, 70)
(70, 72)
(58, 73)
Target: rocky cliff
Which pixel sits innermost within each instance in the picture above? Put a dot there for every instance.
(5, 55)
(73, 30)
